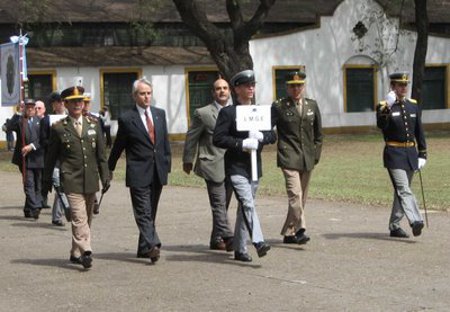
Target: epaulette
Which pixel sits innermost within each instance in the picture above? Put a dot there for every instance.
(413, 101)
(382, 103)
(59, 122)
(92, 118)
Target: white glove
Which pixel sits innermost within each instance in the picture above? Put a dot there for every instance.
(254, 134)
(390, 98)
(250, 144)
(422, 162)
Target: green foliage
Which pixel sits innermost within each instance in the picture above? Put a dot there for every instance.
(351, 170)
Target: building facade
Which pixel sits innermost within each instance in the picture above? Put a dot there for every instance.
(346, 54)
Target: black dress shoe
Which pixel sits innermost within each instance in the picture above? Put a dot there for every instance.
(244, 257)
(45, 206)
(417, 227)
(75, 260)
(154, 254)
(292, 239)
(398, 232)
(35, 213)
(27, 214)
(262, 248)
(58, 223)
(86, 259)
(302, 239)
(142, 255)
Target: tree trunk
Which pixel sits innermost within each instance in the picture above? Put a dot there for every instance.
(231, 53)
(421, 49)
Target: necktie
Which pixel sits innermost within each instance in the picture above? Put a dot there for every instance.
(78, 127)
(150, 128)
(300, 107)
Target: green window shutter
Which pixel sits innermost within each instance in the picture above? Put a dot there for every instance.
(117, 92)
(200, 86)
(433, 96)
(360, 89)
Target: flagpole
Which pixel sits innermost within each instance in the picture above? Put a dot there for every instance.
(22, 104)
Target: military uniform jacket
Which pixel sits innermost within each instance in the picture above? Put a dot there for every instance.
(237, 161)
(82, 159)
(401, 124)
(31, 132)
(209, 162)
(299, 137)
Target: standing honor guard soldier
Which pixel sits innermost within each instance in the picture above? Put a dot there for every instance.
(399, 118)
(209, 164)
(299, 129)
(238, 168)
(77, 143)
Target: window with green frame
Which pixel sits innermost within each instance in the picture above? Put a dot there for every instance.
(280, 79)
(359, 89)
(433, 96)
(200, 86)
(39, 87)
(117, 91)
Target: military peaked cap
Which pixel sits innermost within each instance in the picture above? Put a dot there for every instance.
(54, 97)
(30, 102)
(73, 93)
(243, 77)
(399, 77)
(295, 77)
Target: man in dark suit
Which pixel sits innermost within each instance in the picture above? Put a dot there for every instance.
(45, 134)
(76, 143)
(399, 118)
(209, 164)
(299, 129)
(239, 145)
(29, 157)
(142, 133)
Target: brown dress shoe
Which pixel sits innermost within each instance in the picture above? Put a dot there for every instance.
(228, 244)
(217, 245)
(154, 254)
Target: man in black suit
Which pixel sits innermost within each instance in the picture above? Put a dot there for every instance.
(29, 157)
(143, 135)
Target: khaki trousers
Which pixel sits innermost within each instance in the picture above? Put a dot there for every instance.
(297, 183)
(81, 206)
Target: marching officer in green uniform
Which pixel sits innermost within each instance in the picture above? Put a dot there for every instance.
(405, 151)
(77, 143)
(299, 129)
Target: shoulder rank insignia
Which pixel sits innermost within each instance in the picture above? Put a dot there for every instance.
(413, 101)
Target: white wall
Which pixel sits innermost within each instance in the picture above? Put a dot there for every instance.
(325, 50)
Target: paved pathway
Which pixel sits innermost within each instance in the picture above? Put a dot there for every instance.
(350, 263)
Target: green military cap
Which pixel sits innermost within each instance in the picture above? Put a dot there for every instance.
(73, 93)
(30, 102)
(243, 77)
(399, 77)
(295, 77)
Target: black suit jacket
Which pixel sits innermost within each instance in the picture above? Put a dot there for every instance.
(34, 159)
(237, 161)
(142, 156)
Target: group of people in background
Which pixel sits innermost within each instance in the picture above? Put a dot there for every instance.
(69, 154)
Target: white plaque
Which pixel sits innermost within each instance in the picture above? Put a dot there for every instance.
(253, 117)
